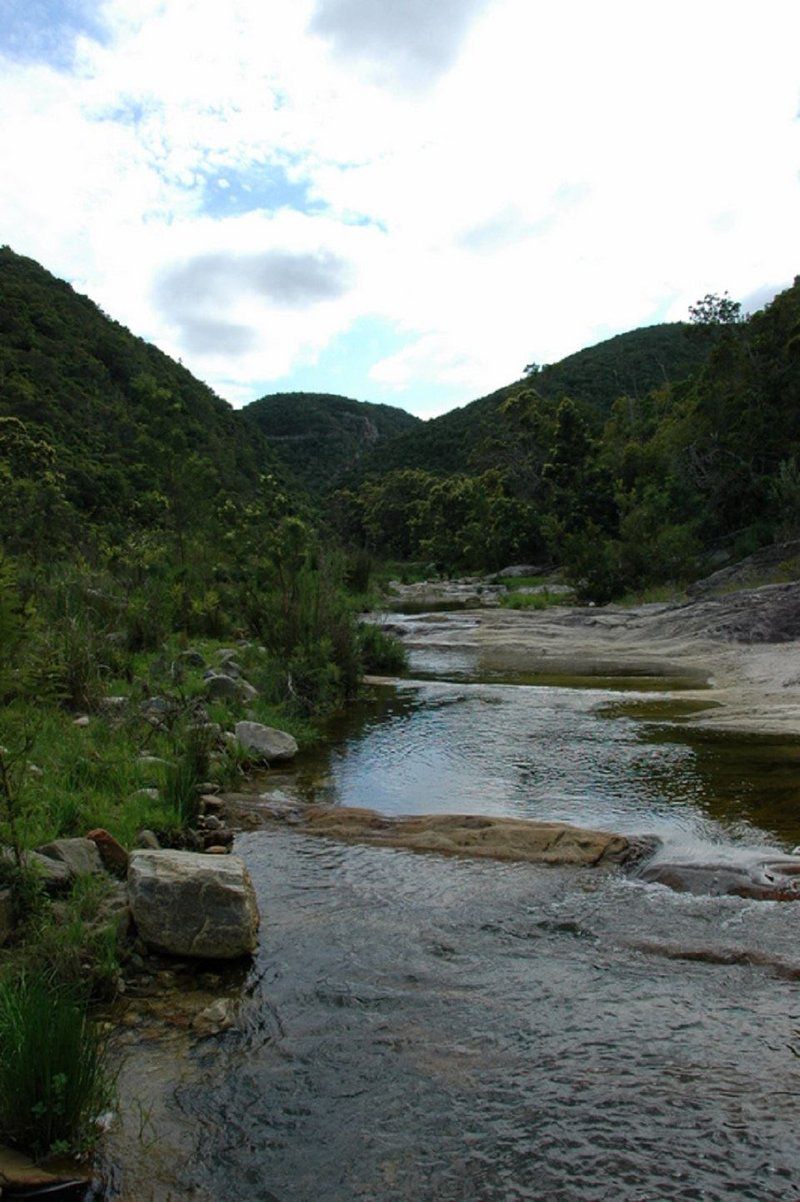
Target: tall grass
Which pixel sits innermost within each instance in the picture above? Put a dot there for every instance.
(54, 1079)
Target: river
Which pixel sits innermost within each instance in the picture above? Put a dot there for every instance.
(421, 1029)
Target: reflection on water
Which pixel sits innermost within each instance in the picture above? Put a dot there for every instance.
(559, 753)
(428, 1030)
(419, 1029)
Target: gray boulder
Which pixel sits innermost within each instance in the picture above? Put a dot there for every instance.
(265, 742)
(79, 855)
(189, 904)
(221, 686)
(192, 658)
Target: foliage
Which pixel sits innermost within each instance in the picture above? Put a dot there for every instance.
(318, 437)
(54, 1081)
(380, 653)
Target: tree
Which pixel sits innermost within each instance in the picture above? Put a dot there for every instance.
(715, 310)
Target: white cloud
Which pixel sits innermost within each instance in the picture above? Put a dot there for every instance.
(554, 174)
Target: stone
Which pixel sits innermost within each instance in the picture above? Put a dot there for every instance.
(216, 849)
(55, 875)
(219, 1016)
(268, 744)
(222, 687)
(146, 839)
(112, 853)
(20, 1176)
(761, 880)
(151, 793)
(211, 804)
(512, 839)
(522, 569)
(81, 856)
(188, 904)
(82, 720)
(247, 691)
(113, 704)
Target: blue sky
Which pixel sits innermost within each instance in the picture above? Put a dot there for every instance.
(401, 202)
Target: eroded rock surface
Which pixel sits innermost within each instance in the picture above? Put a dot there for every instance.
(189, 904)
(774, 880)
(476, 836)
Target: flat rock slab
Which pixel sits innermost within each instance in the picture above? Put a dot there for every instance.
(476, 836)
(188, 904)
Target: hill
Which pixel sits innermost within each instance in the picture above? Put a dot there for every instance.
(629, 364)
(119, 429)
(319, 436)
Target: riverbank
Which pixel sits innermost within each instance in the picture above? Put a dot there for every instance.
(741, 648)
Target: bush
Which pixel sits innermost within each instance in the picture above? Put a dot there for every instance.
(54, 1080)
(381, 652)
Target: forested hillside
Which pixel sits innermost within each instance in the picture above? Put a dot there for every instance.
(628, 365)
(622, 489)
(319, 436)
(99, 430)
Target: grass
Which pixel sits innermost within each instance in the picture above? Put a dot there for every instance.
(655, 593)
(534, 600)
(54, 1080)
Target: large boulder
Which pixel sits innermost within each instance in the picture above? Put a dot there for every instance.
(80, 855)
(266, 742)
(189, 904)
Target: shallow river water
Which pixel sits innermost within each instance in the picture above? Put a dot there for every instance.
(419, 1029)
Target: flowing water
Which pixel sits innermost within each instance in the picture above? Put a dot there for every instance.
(419, 1029)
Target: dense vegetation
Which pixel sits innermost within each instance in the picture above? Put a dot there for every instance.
(143, 524)
(320, 437)
(629, 365)
(621, 493)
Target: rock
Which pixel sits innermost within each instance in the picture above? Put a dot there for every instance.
(188, 904)
(113, 704)
(210, 804)
(477, 836)
(523, 569)
(268, 744)
(776, 880)
(222, 686)
(81, 856)
(35, 771)
(55, 875)
(152, 793)
(155, 706)
(83, 720)
(112, 853)
(224, 653)
(20, 1177)
(216, 849)
(146, 839)
(247, 691)
(219, 1016)
(212, 823)
(113, 910)
(6, 916)
(192, 658)
(152, 761)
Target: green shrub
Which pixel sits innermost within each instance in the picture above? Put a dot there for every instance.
(381, 652)
(54, 1080)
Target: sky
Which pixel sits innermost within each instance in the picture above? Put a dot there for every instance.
(403, 201)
